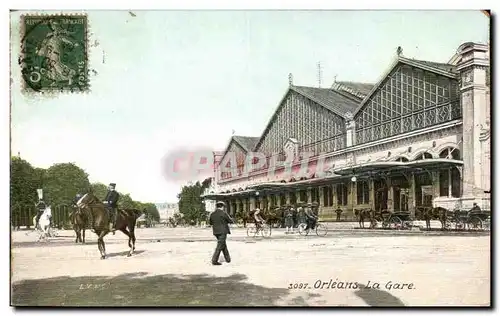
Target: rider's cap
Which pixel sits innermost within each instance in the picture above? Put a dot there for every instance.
(112, 185)
(220, 204)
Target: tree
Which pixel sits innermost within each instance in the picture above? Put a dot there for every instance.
(126, 201)
(191, 204)
(152, 211)
(99, 190)
(63, 181)
(23, 183)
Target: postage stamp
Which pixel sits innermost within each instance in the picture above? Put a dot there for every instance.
(54, 53)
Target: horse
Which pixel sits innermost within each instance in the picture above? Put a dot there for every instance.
(43, 225)
(99, 219)
(80, 221)
(273, 216)
(434, 213)
(365, 213)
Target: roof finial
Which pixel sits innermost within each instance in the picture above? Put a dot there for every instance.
(399, 51)
(335, 78)
(290, 79)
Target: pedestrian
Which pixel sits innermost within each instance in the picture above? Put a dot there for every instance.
(220, 221)
(339, 212)
(289, 220)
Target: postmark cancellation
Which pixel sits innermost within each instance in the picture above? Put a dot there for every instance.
(54, 53)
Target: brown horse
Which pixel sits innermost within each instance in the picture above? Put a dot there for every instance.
(273, 216)
(80, 222)
(99, 219)
(365, 213)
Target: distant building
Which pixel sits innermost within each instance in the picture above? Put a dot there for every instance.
(167, 210)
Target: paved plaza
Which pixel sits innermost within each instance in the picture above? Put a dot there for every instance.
(171, 267)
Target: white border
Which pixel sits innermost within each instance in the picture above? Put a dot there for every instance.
(191, 5)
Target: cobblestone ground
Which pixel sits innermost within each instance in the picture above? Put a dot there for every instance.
(172, 267)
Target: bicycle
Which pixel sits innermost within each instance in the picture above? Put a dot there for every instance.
(264, 230)
(321, 229)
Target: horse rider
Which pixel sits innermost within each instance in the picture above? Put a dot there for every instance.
(311, 217)
(40, 206)
(111, 204)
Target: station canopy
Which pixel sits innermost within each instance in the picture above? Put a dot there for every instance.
(362, 170)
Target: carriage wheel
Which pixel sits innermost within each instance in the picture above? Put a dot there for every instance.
(395, 223)
(487, 224)
(385, 224)
(266, 230)
(321, 230)
(475, 223)
(302, 229)
(460, 225)
(251, 231)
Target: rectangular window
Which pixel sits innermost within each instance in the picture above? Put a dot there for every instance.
(363, 192)
(327, 196)
(273, 201)
(315, 195)
(444, 183)
(303, 196)
(282, 200)
(341, 194)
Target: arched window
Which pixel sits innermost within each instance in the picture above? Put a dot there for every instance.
(423, 156)
(450, 153)
(402, 159)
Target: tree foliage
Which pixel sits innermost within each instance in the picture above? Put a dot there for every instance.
(60, 183)
(99, 190)
(191, 205)
(23, 184)
(63, 181)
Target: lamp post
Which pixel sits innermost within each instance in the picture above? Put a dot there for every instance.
(353, 181)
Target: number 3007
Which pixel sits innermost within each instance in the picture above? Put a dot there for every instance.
(297, 286)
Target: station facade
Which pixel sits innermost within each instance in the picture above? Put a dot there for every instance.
(420, 137)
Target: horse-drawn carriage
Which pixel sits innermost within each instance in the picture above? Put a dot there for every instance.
(386, 219)
(468, 219)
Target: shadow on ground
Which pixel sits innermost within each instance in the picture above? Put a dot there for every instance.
(375, 297)
(134, 289)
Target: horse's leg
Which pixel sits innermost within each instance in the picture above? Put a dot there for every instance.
(100, 243)
(124, 230)
(83, 241)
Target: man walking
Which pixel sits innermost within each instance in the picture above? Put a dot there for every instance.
(220, 221)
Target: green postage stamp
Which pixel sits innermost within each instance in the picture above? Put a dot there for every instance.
(54, 53)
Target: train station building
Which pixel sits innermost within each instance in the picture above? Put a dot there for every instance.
(420, 137)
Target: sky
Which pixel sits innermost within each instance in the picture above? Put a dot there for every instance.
(170, 79)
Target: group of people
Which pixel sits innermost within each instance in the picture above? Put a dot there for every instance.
(110, 202)
(220, 220)
(303, 212)
(292, 215)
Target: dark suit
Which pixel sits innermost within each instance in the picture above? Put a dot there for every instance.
(112, 198)
(219, 221)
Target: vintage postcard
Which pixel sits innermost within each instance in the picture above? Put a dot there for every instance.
(250, 158)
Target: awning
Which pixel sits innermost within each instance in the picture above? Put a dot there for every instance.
(226, 196)
(438, 163)
(368, 167)
(376, 167)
